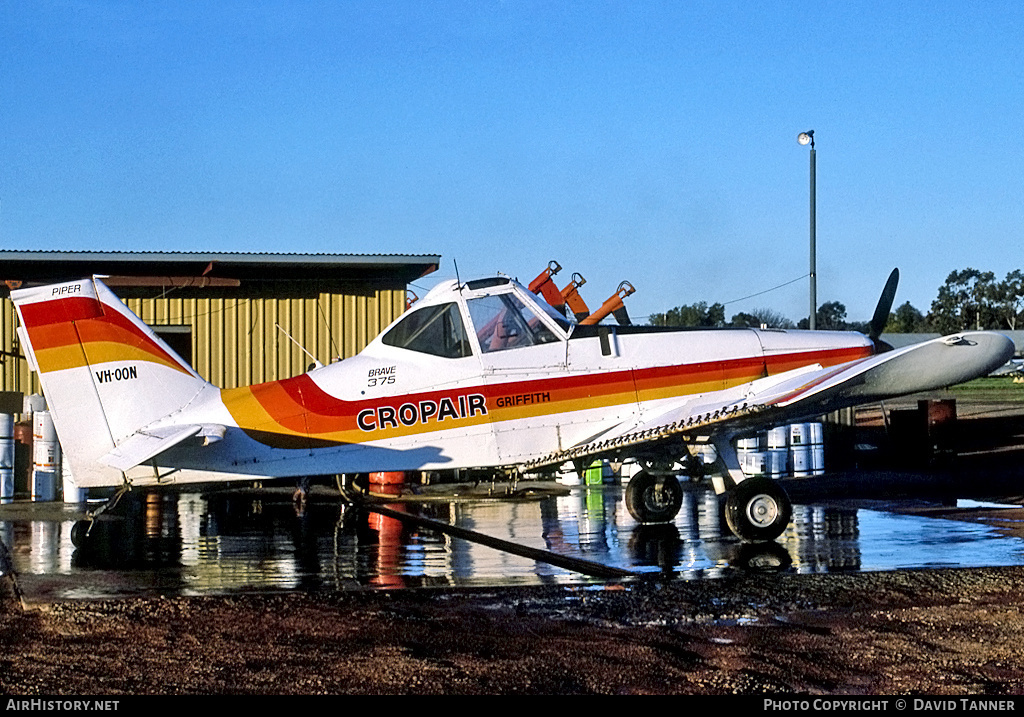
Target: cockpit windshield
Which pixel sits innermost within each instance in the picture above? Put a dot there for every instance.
(502, 322)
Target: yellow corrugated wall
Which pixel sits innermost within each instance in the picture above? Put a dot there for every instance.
(237, 342)
(16, 376)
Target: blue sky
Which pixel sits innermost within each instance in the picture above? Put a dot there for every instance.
(646, 141)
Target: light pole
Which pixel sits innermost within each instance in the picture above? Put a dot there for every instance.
(808, 138)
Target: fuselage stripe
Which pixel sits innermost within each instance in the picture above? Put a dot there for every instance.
(298, 406)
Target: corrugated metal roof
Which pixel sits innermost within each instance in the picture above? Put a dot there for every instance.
(44, 266)
(56, 254)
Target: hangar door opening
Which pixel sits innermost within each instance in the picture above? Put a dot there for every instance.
(178, 337)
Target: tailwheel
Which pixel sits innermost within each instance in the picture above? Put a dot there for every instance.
(653, 498)
(757, 510)
(82, 528)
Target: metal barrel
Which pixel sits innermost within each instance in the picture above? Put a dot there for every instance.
(817, 431)
(6, 457)
(751, 458)
(45, 457)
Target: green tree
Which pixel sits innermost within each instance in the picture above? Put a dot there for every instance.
(745, 321)
(965, 301)
(906, 320)
(772, 319)
(758, 318)
(699, 314)
(1008, 299)
(767, 318)
(831, 316)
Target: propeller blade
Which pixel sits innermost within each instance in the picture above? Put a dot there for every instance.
(885, 302)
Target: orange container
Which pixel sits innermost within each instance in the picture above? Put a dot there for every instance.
(388, 478)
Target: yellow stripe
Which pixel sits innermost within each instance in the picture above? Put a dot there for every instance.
(65, 357)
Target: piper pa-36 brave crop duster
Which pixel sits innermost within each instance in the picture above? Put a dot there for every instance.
(476, 374)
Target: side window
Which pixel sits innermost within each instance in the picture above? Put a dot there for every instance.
(435, 330)
(502, 322)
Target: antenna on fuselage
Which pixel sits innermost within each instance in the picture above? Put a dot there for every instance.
(458, 281)
(316, 362)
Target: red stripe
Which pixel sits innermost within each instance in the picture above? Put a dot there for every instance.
(57, 311)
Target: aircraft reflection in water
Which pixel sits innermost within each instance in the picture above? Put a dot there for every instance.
(192, 544)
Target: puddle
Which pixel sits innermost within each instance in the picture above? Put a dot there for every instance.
(194, 544)
(981, 504)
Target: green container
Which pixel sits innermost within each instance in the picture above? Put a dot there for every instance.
(594, 474)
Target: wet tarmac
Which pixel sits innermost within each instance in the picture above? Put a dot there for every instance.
(234, 542)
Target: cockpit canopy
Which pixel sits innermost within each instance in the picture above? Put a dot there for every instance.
(500, 313)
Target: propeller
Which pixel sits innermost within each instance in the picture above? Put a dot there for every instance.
(881, 316)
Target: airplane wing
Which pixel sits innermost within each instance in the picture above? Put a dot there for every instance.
(803, 393)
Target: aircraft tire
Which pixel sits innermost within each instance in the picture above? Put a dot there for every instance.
(767, 557)
(757, 510)
(80, 532)
(653, 499)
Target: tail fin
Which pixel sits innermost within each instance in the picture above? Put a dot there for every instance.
(104, 373)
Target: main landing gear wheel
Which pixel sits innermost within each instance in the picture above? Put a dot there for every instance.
(653, 499)
(80, 532)
(757, 510)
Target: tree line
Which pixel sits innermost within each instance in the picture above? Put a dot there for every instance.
(969, 299)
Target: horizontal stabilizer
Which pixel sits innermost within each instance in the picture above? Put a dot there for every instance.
(143, 446)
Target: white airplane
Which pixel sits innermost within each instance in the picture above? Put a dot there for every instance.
(476, 374)
(1013, 367)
